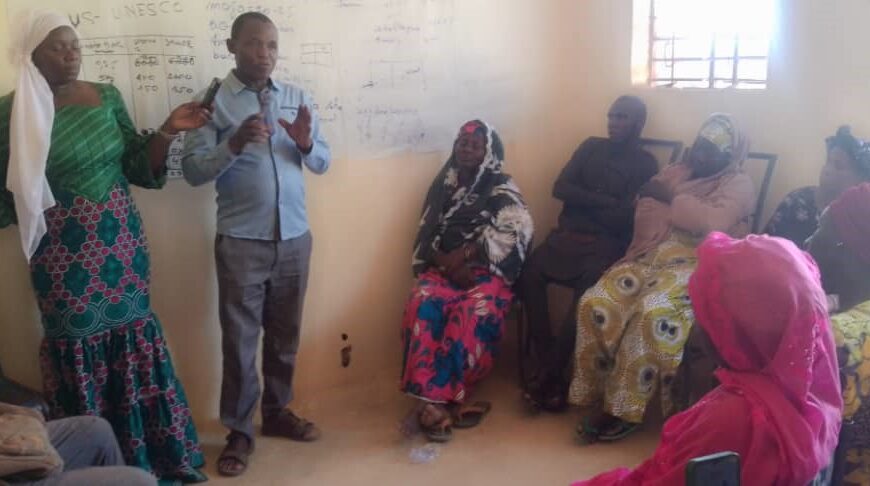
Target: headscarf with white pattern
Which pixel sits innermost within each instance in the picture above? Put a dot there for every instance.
(490, 211)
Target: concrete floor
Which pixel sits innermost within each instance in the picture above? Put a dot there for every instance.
(361, 446)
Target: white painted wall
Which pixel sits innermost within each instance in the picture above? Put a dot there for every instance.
(576, 54)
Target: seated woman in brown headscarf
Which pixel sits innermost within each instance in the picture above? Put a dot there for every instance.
(632, 325)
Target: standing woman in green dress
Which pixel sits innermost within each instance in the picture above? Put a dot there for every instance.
(68, 152)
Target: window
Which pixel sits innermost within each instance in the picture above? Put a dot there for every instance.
(702, 43)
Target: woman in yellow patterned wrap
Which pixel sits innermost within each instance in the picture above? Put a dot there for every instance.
(632, 325)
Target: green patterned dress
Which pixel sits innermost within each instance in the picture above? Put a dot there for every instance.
(104, 352)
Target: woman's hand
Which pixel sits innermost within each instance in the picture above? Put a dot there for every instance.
(188, 116)
(657, 190)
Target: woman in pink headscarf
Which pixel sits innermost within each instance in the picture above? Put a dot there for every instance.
(841, 246)
(761, 305)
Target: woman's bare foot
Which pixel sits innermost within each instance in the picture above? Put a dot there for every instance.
(423, 416)
(432, 414)
(436, 422)
(409, 426)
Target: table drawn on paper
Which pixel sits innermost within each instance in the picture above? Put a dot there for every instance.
(396, 74)
(385, 76)
(155, 73)
(317, 54)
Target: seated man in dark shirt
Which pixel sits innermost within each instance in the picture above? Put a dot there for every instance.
(598, 188)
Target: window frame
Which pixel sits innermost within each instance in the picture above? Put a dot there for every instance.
(654, 79)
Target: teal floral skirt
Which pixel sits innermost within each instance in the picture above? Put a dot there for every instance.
(104, 352)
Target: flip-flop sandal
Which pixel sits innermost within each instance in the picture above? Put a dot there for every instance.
(586, 432)
(239, 454)
(440, 432)
(618, 431)
(468, 416)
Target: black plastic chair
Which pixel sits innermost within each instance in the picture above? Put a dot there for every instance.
(770, 164)
(721, 469)
(653, 144)
(724, 469)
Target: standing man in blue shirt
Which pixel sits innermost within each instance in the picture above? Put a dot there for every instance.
(255, 154)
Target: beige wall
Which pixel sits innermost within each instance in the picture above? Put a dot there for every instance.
(818, 80)
(363, 215)
(576, 56)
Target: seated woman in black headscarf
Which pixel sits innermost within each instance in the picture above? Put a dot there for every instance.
(847, 165)
(474, 234)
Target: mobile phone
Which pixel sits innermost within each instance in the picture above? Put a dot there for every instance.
(213, 88)
(722, 469)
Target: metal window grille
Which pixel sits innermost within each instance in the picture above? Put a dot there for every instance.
(715, 54)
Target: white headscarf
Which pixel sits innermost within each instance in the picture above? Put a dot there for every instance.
(30, 129)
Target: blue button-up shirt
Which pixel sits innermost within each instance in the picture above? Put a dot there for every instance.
(261, 191)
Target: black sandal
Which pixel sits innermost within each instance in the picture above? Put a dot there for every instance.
(617, 431)
(468, 416)
(586, 432)
(548, 395)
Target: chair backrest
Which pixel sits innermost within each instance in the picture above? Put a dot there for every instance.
(665, 151)
(722, 469)
(764, 173)
(769, 161)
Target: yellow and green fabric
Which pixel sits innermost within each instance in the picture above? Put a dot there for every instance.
(852, 335)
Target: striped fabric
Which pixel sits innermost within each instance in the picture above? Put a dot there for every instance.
(91, 149)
